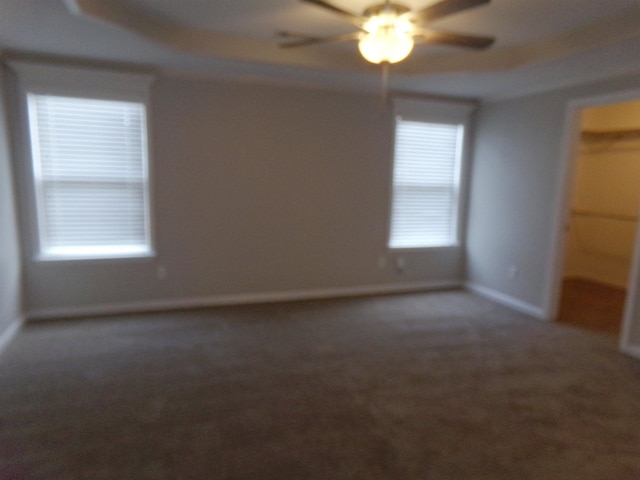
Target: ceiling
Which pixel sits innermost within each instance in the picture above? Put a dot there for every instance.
(541, 44)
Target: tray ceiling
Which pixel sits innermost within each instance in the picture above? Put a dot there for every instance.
(540, 44)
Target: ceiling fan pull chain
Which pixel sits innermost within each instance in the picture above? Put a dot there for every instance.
(385, 82)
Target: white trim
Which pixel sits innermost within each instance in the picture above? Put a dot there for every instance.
(632, 351)
(9, 333)
(51, 79)
(564, 187)
(631, 301)
(507, 300)
(237, 299)
(432, 110)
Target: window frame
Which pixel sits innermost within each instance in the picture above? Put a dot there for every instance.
(84, 83)
(436, 112)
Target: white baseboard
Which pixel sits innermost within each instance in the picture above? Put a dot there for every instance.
(632, 350)
(507, 301)
(10, 333)
(236, 299)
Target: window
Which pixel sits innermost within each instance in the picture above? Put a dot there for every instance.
(89, 165)
(426, 179)
(89, 162)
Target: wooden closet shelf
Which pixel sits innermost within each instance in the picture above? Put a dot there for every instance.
(610, 135)
(604, 215)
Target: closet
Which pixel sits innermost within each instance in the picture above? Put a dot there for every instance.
(604, 217)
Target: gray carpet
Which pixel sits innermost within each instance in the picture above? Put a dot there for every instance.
(442, 386)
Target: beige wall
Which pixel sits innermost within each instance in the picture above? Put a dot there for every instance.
(518, 189)
(257, 190)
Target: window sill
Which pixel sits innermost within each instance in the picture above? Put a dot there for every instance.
(75, 259)
(430, 248)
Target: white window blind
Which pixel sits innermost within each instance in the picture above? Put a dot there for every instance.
(425, 184)
(90, 171)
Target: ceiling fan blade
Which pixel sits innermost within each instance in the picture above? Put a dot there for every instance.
(454, 39)
(340, 11)
(444, 8)
(294, 39)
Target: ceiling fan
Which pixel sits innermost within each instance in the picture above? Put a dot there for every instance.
(387, 32)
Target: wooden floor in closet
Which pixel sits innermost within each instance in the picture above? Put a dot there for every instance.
(592, 306)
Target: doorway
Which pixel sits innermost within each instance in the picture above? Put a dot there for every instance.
(602, 220)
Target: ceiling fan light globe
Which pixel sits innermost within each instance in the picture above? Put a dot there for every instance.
(378, 48)
(387, 38)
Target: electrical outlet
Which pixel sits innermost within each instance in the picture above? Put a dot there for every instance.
(161, 272)
(401, 264)
(512, 272)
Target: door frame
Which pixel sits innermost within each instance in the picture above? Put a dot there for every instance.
(570, 142)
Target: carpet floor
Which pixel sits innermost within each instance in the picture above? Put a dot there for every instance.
(439, 386)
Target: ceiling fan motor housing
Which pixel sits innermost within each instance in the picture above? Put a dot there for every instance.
(393, 8)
